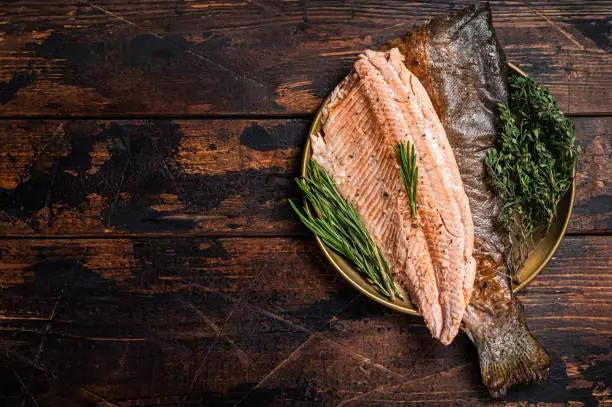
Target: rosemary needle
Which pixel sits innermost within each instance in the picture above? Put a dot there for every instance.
(338, 225)
(409, 171)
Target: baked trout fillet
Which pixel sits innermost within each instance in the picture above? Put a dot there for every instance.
(463, 68)
(380, 104)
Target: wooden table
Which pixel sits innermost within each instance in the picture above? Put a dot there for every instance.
(148, 254)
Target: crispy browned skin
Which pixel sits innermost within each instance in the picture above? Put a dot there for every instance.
(495, 322)
(459, 62)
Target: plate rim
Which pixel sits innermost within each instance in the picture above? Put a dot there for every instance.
(307, 152)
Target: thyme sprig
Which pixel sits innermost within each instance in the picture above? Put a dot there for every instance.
(533, 165)
(337, 223)
(409, 171)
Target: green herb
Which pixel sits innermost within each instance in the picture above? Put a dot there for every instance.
(409, 171)
(534, 163)
(339, 226)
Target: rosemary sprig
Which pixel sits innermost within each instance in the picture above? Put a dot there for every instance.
(339, 226)
(409, 171)
(533, 165)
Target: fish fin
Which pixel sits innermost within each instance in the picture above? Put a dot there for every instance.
(510, 356)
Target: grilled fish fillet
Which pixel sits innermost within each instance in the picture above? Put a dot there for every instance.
(462, 66)
(379, 104)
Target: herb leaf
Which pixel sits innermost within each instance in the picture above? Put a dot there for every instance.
(409, 171)
(533, 165)
(338, 225)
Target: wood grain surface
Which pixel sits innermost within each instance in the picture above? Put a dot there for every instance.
(161, 177)
(111, 57)
(210, 177)
(148, 256)
(143, 321)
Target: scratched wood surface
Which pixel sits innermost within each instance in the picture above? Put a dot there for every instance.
(196, 176)
(148, 256)
(142, 321)
(233, 56)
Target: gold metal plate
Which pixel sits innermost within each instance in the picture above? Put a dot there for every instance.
(531, 268)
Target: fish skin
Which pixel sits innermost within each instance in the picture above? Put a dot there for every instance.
(463, 68)
(494, 319)
(379, 104)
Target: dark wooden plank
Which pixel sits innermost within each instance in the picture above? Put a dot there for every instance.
(593, 207)
(96, 177)
(198, 177)
(23, 386)
(321, 372)
(568, 309)
(201, 57)
(162, 320)
(171, 321)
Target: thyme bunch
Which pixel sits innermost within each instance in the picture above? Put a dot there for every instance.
(533, 164)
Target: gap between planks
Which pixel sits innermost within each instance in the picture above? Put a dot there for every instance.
(118, 236)
(223, 116)
(228, 235)
(220, 116)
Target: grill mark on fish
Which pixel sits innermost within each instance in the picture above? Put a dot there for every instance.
(439, 325)
(368, 113)
(449, 254)
(413, 247)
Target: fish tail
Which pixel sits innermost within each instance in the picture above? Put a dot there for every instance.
(508, 354)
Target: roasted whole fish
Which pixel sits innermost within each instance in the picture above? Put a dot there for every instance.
(463, 68)
(379, 104)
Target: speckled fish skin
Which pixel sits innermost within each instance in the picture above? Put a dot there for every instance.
(463, 68)
(379, 104)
